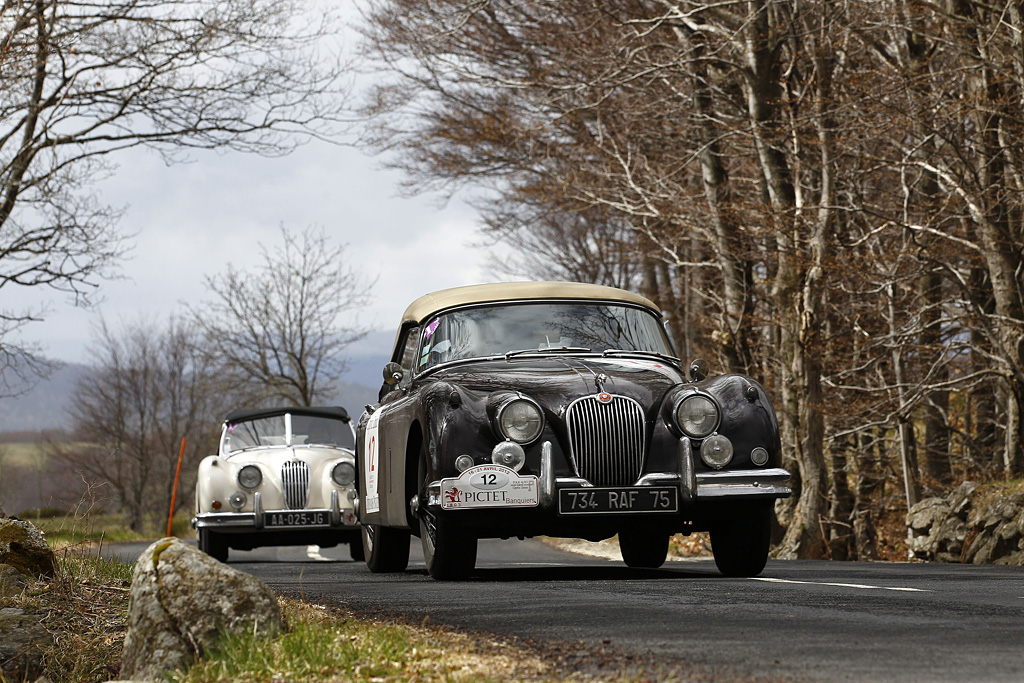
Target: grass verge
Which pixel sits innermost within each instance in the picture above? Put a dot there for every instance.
(85, 609)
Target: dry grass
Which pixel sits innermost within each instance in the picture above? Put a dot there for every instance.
(85, 610)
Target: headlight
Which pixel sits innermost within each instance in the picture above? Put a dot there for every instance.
(343, 474)
(716, 451)
(697, 416)
(249, 477)
(520, 420)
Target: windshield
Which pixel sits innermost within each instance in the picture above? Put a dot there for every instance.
(539, 327)
(306, 430)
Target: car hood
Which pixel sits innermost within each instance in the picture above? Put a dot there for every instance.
(554, 379)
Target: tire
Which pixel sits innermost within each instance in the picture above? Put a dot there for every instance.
(741, 546)
(213, 544)
(385, 550)
(448, 551)
(355, 548)
(643, 549)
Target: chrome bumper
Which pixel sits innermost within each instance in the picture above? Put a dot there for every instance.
(338, 518)
(693, 486)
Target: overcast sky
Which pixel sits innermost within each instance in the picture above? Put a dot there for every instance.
(193, 219)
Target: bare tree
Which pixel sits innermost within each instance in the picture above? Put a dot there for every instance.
(81, 81)
(279, 331)
(146, 390)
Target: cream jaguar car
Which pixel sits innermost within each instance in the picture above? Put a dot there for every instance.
(283, 476)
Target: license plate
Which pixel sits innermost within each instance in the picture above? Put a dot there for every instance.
(305, 518)
(605, 500)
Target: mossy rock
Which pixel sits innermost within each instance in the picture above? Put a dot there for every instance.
(24, 547)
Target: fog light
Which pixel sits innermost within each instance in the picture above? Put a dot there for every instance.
(463, 462)
(510, 454)
(759, 456)
(716, 451)
(237, 500)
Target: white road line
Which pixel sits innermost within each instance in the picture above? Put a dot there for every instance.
(313, 553)
(844, 585)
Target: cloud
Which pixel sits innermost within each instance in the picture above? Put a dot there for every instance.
(191, 220)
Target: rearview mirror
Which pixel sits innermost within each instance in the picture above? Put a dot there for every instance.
(698, 369)
(393, 373)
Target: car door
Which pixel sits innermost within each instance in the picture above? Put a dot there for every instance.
(384, 445)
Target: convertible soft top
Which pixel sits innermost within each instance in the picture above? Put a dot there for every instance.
(429, 304)
(335, 412)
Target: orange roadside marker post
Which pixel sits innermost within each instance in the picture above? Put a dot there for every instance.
(174, 495)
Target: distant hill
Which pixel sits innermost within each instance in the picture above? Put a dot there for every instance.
(45, 405)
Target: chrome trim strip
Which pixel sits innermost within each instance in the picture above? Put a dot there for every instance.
(547, 476)
(257, 506)
(687, 474)
(335, 508)
(216, 519)
(767, 483)
(658, 479)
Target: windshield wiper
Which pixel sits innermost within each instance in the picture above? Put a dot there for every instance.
(550, 349)
(628, 352)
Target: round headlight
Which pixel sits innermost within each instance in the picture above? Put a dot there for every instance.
(249, 477)
(509, 454)
(716, 451)
(520, 420)
(697, 416)
(343, 474)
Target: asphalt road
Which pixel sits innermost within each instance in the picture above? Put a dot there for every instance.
(799, 620)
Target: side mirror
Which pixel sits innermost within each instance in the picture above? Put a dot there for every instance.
(393, 373)
(698, 369)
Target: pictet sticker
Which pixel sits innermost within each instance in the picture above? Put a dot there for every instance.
(489, 486)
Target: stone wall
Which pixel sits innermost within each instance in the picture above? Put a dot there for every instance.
(969, 528)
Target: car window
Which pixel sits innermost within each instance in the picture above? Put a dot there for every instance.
(497, 330)
(271, 431)
(409, 349)
(266, 431)
(321, 431)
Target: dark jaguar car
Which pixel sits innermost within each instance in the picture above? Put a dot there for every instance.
(559, 409)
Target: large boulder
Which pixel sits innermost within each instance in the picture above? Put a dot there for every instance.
(181, 600)
(24, 547)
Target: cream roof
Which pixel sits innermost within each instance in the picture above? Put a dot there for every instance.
(427, 305)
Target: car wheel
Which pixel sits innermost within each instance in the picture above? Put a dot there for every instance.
(213, 544)
(385, 550)
(355, 548)
(741, 546)
(448, 551)
(643, 549)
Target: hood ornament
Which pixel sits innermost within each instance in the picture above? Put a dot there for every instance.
(602, 395)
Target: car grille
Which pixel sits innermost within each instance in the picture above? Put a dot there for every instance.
(295, 484)
(606, 440)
